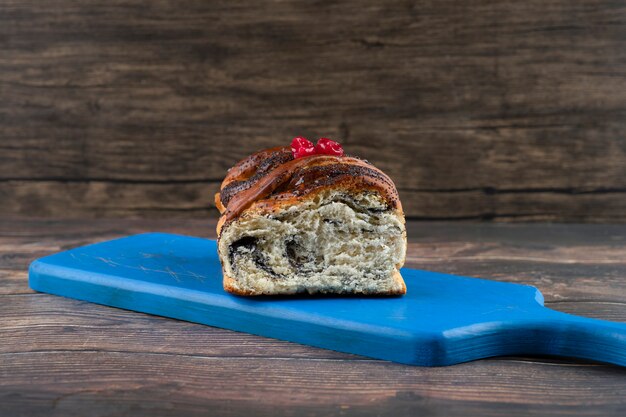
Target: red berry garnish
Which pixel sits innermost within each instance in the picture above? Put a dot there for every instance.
(302, 147)
(328, 147)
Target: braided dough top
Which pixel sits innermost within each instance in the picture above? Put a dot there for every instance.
(270, 179)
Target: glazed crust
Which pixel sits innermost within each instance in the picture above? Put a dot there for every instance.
(271, 179)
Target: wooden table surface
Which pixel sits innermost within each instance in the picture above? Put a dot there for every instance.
(62, 357)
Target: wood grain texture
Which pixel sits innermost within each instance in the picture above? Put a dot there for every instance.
(65, 357)
(493, 110)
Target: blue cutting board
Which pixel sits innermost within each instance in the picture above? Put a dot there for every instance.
(442, 320)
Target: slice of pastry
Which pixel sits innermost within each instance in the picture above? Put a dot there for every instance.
(308, 219)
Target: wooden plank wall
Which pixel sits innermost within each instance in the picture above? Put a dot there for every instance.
(494, 110)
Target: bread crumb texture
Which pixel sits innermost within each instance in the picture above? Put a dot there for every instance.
(333, 242)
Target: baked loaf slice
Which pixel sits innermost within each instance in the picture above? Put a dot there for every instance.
(310, 224)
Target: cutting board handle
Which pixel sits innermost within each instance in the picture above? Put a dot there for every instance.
(581, 337)
(537, 331)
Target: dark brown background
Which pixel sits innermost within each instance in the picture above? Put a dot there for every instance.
(503, 110)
